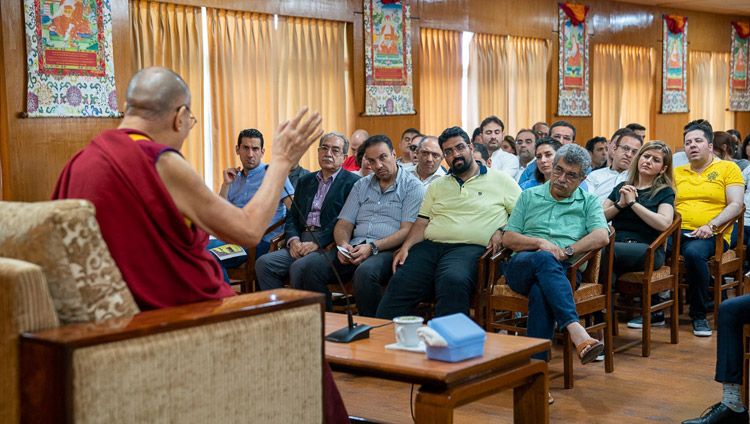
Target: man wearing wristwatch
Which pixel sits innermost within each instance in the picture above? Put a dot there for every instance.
(709, 194)
(374, 221)
(461, 217)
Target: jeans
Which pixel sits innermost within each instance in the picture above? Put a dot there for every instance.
(542, 278)
(733, 315)
(447, 271)
(696, 253)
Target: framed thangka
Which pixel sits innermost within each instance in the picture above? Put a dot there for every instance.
(69, 59)
(739, 83)
(573, 97)
(388, 67)
(674, 65)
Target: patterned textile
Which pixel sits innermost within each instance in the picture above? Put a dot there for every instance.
(573, 96)
(70, 58)
(272, 361)
(674, 65)
(739, 78)
(63, 238)
(388, 83)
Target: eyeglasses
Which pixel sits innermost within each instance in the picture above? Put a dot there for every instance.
(334, 150)
(413, 147)
(458, 149)
(557, 172)
(193, 121)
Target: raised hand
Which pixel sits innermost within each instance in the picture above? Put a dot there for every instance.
(293, 137)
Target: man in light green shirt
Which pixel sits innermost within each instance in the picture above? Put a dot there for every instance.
(460, 218)
(552, 225)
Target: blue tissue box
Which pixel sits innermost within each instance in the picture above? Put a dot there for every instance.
(465, 338)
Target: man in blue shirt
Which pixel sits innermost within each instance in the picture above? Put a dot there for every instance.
(240, 185)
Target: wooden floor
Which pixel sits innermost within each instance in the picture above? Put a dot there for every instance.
(674, 384)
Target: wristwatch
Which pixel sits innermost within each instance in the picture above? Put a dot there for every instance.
(374, 248)
(713, 227)
(568, 251)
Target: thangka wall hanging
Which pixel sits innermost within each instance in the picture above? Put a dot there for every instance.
(573, 97)
(69, 59)
(739, 83)
(674, 65)
(388, 84)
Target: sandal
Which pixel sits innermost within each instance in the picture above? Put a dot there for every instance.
(595, 349)
(550, 399)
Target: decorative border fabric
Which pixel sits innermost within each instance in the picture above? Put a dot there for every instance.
(573, 96)
(388, 83)
(739, 81)
(69, 59)
(674, 65)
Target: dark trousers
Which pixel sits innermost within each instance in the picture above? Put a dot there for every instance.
(542, 278)
(733, 315)
(445, 271)
(696, 253)
(368, 278)
(631, 257)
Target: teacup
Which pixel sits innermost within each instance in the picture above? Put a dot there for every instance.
(406, 330)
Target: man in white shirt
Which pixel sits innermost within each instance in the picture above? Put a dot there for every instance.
(602, 181)
(493, 132)
(429, 157)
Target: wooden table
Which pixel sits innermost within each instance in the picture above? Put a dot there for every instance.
(506, 363)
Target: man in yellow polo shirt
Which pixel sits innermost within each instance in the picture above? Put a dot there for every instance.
(709, 194)
(461, 217)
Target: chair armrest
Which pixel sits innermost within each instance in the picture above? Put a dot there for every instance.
(276, 241)
(721, 232)
(494, 263)
(674, 231)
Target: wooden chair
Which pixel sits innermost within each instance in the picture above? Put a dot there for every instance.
(648, 282)
(730, 263)
(244, 275)
(591, 296)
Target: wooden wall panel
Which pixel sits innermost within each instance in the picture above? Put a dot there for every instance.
(33, 151)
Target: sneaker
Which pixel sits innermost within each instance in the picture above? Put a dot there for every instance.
(599, 358)
(701, 328)
(657, 320)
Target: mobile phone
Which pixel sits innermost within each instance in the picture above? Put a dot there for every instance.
(344, 252)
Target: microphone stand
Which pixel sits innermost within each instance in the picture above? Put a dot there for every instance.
(353, 331)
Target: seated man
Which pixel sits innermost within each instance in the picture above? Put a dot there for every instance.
(376, 217)
(462, 215)
(493, 133)
(602, 181)
(551, 226)
(562, 131)
(525, 141)
(240, 185)
(709, 194)
(358, 137)
(597, 148)
(733, 315)
(407, 147)
(481, 155)
(429, 157)
(320, 197)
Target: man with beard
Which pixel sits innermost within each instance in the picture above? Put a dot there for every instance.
(525, 140)
(602, 181)
(374, 221)
(461, 217)
(493, 132)
(429, 157)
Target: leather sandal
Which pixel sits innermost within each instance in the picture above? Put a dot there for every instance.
(595, 349)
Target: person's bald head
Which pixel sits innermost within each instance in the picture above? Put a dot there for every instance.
(155, 91)
(358, 137)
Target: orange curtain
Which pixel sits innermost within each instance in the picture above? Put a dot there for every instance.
(263, 71)
(440, 80)
(708, 84)
(508, 79)
(623, 87)
(169, 35)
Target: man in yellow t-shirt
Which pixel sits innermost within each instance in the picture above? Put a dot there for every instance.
(461, 217)
(709, 194)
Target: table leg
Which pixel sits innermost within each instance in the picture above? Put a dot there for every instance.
(530, 400)
(434, 408)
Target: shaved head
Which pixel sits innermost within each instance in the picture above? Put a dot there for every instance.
(154, 91)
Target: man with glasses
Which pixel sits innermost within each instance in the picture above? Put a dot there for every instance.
(320, 197)
(540, 129)
(239, 186)
(461, 217)
(374, 221)
(562, 131)
(602, 181)
(407, 147)
(552, 225)
(154, 210)
(429, 157)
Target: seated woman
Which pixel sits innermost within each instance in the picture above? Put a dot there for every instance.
(640, 209)
(725, 148)
(545, 150)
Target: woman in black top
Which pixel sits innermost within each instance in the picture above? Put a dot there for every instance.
(640, 209)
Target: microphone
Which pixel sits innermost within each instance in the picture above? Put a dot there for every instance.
(352, 331)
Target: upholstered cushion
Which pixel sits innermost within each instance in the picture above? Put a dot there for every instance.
(63, 238)
(637, 277)
(585, 291)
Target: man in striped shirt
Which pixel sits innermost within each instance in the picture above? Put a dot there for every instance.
(376, 217)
